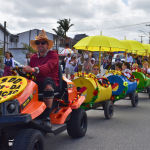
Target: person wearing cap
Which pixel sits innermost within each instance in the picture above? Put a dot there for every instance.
(45, 64)
(93, 61)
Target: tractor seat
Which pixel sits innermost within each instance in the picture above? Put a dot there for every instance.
(60, 83)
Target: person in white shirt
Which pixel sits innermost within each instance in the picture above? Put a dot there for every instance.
(67, 59)
(129, 59)
(126, 70)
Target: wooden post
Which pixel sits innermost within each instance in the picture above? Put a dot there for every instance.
(100, 59)
(4, 36)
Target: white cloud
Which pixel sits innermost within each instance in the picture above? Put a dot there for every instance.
(88, 16)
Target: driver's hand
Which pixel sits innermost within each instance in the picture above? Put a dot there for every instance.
(27, 69)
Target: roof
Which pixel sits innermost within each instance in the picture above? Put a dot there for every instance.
(80, 36)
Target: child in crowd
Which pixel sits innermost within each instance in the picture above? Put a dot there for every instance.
(95, 71)
(145, 68)
(134, 67)
(118, 67)
(126, 70)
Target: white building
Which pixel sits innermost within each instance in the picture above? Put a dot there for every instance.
(2, 38)
(25, 37)
(16, 47)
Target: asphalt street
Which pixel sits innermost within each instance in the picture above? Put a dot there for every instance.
(129, 129)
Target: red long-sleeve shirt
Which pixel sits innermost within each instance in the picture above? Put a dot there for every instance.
(48, 66)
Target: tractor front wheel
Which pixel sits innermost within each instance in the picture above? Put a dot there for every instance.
(28, 139)
(77, 125)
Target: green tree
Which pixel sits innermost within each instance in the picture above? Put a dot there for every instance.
(59, 31)
(27, 47)
(65, 25)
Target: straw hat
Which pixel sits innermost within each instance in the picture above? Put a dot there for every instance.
(41, 36)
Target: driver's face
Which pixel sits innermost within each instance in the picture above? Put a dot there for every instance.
(42, 48)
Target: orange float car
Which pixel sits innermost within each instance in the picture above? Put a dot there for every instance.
(21, 109)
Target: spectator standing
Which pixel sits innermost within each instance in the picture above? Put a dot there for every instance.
(27, 60)
(140, 62)
(104, 63)
(87, 66)
(137, 61)
(129, 59)
(80, 63)
(8, 63)
(93, 61)
(63, 64)
(145, 58)
(67, 59)
(72, 63)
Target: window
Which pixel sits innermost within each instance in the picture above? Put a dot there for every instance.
(11, 40)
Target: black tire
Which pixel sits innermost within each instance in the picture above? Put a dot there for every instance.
(134, 99)
(28, 139)
(148, 91)
(77, 125)
(109, 109)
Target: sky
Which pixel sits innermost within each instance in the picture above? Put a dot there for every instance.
(115, 18)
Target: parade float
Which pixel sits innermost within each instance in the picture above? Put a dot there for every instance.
(123, 87)
(97, 93)
(21, 108)
(144, 81)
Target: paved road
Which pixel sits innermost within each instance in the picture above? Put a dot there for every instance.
(129, 129)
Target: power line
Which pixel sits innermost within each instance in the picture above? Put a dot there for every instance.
(110, 28)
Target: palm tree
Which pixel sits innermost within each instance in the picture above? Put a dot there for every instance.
(65, 25)
(59, 31)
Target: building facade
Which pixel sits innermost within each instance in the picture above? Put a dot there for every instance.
(2, 39)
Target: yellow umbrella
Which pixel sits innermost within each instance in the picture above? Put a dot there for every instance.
(147, 46)
(100, 43)
(133, 45)
(94, 43)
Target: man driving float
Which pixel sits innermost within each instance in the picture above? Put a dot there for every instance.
(45, 64)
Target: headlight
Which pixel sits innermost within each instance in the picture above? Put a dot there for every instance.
(10, 108)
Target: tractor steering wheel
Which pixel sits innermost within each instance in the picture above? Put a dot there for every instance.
(19, 70)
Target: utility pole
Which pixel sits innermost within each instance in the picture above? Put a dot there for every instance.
(141, 38)
(4, 36)
(149, 33)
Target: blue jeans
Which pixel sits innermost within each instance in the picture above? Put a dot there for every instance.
(104, 65)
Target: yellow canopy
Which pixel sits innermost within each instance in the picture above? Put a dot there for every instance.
(143, 52)
(100, 43)
(133, 45)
